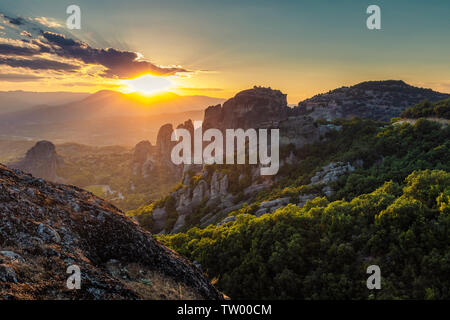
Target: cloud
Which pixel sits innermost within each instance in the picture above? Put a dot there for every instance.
(44, 48)
(38, 64)
(123, 64)
(9, 49)
(47, 22)
(26, 34)
(15, 77)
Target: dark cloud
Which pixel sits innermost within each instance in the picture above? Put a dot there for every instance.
(90, 84)
(123, 64)
(10, 49)
(14, 77)
(18, 21)
(26, 34)
(118, 63)
(43, 48)
(38, 64)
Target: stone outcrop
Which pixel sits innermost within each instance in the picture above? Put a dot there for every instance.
(150, 161)
(302, 130)
(47, 227)
(164, 144)
(248, 109)
(377, 100)
(144, 159)
(212, 193)
(226, 220)
(271, 206)
(265, 108)
(331, 172)
(159, 217)
(303, 198)
(41, 161)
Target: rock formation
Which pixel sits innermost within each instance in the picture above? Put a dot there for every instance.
(211, 192)
(150, 161)
(265, 108)
(164, 144)
(47, 227)
(248, 109)
(143, 159)
(41, 161)
(331, 173)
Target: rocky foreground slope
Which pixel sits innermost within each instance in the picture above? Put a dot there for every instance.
(47, 227)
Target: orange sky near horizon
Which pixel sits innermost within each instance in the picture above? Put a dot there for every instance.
(217, 49)
(199, 86)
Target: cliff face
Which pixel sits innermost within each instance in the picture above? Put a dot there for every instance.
(206, 196)
(41, 161)
(248, 109)
(46, 227)
(260, 108)
(151, 161)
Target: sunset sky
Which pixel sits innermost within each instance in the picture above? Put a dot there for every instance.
(217, 48)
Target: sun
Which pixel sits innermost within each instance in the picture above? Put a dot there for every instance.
(147, 84)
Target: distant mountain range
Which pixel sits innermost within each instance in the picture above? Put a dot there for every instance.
(108, 104)
(103, 118)
(11, 101)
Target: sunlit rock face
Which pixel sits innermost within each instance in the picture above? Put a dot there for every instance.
(41, 161)
(248, 109)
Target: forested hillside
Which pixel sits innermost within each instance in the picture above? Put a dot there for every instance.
(439, 109)
(392, 211)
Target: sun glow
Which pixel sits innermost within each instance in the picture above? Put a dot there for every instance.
(148, 84)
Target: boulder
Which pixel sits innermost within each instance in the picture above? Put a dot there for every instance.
(302, 199)
(252, 108)
(226, 220)
(7, 273)
(262, 211)
(10, 255)
(144, 159)
(274, 203)
(48, 234)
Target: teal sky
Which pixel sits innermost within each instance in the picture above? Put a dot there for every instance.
(300, 47)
